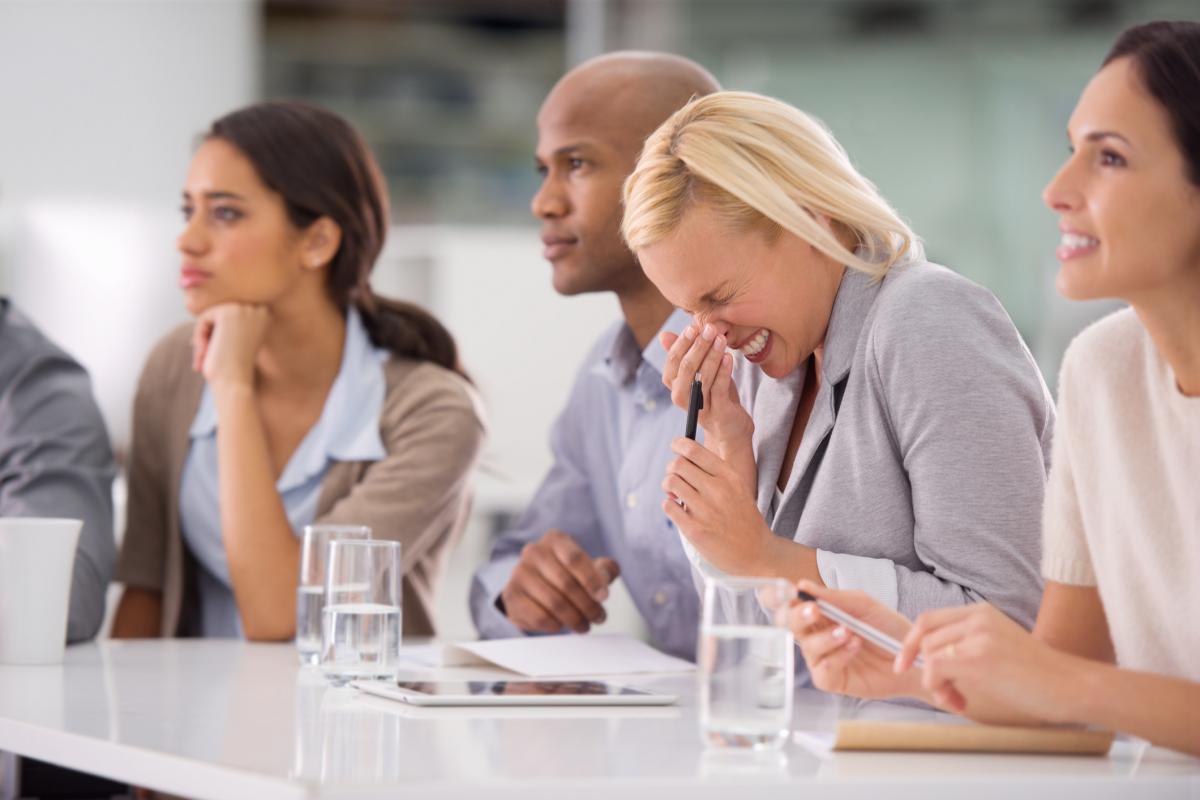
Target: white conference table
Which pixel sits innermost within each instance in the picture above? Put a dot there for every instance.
(226, 719)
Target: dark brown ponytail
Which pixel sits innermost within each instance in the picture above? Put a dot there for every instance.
(408, 330)
(323, 168)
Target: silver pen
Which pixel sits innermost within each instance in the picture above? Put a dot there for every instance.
(868, 632)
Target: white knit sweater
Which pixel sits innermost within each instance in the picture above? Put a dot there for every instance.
(1122, 509)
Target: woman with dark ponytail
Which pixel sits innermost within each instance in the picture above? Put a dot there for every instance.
(298, 396)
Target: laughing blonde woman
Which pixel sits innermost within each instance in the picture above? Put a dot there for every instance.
(879, 425)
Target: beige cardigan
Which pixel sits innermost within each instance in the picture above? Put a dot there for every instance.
(419, 494)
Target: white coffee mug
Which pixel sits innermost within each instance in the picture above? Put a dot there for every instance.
(37, 557)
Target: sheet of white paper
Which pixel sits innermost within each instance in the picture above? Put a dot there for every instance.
(428, 655)
(566, 655)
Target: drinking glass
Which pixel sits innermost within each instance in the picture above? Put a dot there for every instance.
(745, 664)
(360, 631)
(310, 591)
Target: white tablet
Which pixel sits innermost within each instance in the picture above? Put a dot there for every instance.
(512, 693)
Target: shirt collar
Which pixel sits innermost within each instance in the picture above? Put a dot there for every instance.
(654, 354)
(623, 359)
(205, 421)
(348, 429)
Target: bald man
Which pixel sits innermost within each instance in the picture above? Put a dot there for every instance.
(598, 513)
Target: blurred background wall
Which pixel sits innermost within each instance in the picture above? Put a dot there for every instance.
(955, 108)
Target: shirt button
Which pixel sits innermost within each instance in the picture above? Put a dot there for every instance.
(650, 405)
(631, 500)
(660, 598)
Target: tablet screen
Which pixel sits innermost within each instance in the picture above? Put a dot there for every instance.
(461, 688)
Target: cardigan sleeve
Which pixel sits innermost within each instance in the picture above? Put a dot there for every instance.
(433, 431)
(143, 558)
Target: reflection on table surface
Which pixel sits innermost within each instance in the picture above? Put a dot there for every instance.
(251, 708)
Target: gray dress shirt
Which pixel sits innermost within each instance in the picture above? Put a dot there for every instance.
(55, 458)
(919, 478)
(611, 446)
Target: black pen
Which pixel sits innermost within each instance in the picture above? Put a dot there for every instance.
(868, 632)
(695, 403)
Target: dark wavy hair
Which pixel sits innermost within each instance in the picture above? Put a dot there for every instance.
(1166, 56)
(321, 167)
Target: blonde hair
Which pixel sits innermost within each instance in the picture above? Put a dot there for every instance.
(759, 162)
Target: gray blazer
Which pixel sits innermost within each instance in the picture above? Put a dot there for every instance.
(55, 458)
(920, 476)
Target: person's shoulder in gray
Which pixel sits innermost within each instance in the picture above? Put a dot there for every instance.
(974, 421)
(939, 424)
(55, 457)
(933, 325)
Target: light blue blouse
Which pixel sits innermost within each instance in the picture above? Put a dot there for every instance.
(348, 430)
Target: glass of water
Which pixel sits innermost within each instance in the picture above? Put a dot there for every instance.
(310, 591)
(745, 664)
(361, 625)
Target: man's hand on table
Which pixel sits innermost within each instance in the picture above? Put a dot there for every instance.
(557, 585)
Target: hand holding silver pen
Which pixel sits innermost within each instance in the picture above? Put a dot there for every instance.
(850, 642)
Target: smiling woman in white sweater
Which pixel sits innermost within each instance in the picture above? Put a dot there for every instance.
(1116, 642)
